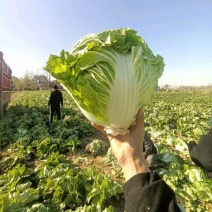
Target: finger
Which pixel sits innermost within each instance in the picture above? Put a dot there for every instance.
(139, 122)
(98, 127)
(140, 118)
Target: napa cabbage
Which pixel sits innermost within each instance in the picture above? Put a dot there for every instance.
(110, 75)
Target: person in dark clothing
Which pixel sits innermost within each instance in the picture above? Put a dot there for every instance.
(201, 153)
(144, 190)
(150, 151)
(55, 100)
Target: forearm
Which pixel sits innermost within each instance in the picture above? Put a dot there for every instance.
(133, 166)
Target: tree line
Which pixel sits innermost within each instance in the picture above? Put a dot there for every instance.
(29, 81)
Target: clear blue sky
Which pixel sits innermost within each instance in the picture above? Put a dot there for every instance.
(180, 31)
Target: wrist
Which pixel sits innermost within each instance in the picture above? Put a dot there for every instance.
(133, 166)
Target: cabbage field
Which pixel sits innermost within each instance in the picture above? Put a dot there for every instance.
(69, 166)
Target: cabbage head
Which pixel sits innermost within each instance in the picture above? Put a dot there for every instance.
(110, 75)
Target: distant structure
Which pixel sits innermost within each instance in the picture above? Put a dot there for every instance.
(55, 82)
(41, 82)
(157, 88)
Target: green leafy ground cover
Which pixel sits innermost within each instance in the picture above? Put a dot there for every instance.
(54, 169)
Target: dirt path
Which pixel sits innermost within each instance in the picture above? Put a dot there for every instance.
(14, 96)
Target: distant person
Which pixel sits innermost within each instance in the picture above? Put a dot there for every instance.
(55, 101)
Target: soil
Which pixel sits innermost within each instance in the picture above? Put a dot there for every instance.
(14, 96)
(97, 162)
(91, 161)
(78, 159)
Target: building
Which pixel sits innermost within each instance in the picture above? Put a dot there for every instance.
(41, 81)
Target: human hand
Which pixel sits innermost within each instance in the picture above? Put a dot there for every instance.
(128, 148)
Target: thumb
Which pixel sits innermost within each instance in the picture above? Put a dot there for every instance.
(139, 122)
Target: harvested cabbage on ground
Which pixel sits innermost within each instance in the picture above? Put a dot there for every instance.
(110, 75)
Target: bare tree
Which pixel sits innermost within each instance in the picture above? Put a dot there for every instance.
(17, 83)
(48, 76)
(28, 80)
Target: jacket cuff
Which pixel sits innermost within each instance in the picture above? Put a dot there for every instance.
(138, 181)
